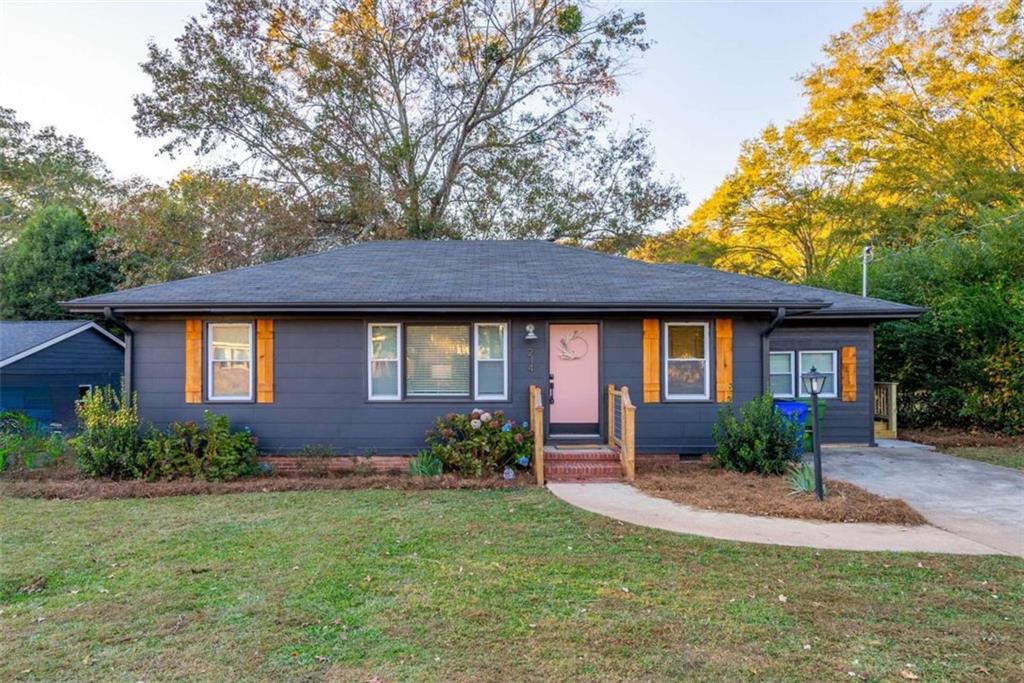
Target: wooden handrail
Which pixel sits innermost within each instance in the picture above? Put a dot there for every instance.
(622, 429)
(537, 426)
(886, 405)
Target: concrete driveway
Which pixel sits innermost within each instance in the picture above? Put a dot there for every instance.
(975, 500)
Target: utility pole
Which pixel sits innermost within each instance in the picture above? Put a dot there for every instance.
(866, 256)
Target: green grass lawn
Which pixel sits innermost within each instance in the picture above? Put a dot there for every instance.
(470, 585)
(996, 455)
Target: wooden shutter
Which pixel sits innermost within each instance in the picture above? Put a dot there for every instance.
(723, 360)
(264, 361)
(849, 376)
(193, 361)
(652, 363)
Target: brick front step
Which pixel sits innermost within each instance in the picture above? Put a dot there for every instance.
(553, 455)
(582, 470)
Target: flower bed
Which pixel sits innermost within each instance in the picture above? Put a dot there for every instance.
(702, 485)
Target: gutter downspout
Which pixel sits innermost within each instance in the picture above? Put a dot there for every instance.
(129, 339)
(780, 316)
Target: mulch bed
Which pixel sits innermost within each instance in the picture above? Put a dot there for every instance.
(704, 486)
(72, 487)
(956, 438)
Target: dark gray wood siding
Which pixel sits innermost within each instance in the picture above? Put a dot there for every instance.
(845, 422)
(320, 392)
(321, 384)
(45, 384)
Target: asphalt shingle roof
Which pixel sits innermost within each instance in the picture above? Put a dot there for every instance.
(21, 335)
(480, 274)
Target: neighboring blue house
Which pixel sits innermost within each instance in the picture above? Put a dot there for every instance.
(359, 349)
(47, 365)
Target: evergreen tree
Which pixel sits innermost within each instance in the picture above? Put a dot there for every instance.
(53, 260)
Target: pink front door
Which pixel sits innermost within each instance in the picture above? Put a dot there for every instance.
(573, 363)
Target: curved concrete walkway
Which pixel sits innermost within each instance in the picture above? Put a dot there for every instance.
(627, 504)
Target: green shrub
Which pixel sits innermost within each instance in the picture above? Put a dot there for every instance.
(426, 464)
(108, 442)
(178, 453)
(761, 440)
(24, 444)
(478, 442)
(226, 454)
(212, 452)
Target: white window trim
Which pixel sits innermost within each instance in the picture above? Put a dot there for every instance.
(370, 359)
(792, 365)
(707, 362)
(834, 373)
(209, 363)
(503, 396)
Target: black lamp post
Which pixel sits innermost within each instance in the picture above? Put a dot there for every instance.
(814, 382)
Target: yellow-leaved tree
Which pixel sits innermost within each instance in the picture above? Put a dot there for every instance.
(914, 123)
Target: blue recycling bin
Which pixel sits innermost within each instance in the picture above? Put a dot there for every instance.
(797, 412)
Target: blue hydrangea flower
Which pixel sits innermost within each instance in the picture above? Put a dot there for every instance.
(507, 427)
(526, 424)
(524, 461)
(508, 474)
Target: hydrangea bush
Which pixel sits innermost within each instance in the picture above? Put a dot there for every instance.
(480, 442)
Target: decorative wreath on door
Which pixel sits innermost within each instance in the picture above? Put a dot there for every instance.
(573, 347)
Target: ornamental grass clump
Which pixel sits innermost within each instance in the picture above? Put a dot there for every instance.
(761, 440)
(479, 443)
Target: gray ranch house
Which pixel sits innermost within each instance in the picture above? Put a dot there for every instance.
(360, 348)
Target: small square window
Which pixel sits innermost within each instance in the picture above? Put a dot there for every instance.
(825, 363)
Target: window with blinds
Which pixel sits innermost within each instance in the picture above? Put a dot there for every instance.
(437, 360)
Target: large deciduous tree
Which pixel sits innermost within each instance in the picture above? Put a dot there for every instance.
(203, 222)
(419, 118)
(41, 167)
(914, 124)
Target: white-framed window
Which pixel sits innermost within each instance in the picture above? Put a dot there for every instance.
(825, 363)
(229, 361)
(384, 341)
(686, 361)
(437, 360)
(490, 341)
(780, 373)
(84, 391)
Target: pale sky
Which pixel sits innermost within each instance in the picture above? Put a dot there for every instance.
(717, 74)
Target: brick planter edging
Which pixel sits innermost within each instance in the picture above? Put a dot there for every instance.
(304, 464)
